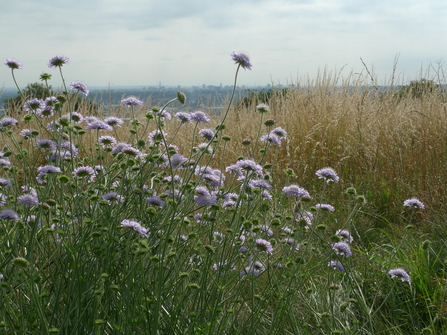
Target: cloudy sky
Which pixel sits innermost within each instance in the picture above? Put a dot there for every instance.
(188, 42)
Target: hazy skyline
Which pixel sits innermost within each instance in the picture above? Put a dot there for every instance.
(187, 43)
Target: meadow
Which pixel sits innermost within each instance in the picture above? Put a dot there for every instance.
(320, 210)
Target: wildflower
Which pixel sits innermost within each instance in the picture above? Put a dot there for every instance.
(253, 269)
(131, 151)
(337, 265)
(207, 134)
(58, 61)
(156, 136)
(263, 108)
(205, 147)
(106, 141)
(155, 201)
(91, 119)
(328, 174)
(414, 203)
(46, 144)
(131, 101)
(203, 197)
(272, 138)
(7, 121)
(266, 229)
(400, 273)
(345, 235)
(246, 141)
(249, 166)
(85, 171)
(291, 242)
(100, 125)
(217, 236)
(76, 117)
(263, 246)
(119, 148)
(135, 225)
(43, 171)
(295, 190)
(80, 86)
(177, 160)
(2, 200)
(47, 111)
(181, 97)
(230, 199)
(199, 116)
(51, 101)
(4, 183)
(4, 161)
(113, 197)
(114, 121)
(325, 207)
(9, 214)
(183, 117)
(13, 64)
(266, 195)
(242, 59)
(28, 199)
(342, 248)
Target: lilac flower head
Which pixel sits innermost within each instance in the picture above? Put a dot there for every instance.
(100, 125)
(13, 64)
(47, 111)
(295, 190)
(183, 117)
(2, 200)
(119, 147)
(199, 116)
(156, 136)
(5, 183)
(414, 203)
(207, 134)
(135, 225)
(75, 117)
(51, 101)
(328, 174)
(271, 138)
(241, 59)
(264, 246)
(113, 197)
(34, 105)
(400, 273)
(325, 207)
(131, 101)
(58, 61)
(44, 171)
(46, 144)
(106, 141)
(342, 248)
(345, 235)
(253, 269)
(203, 197)
(28, 199)
(281, 133)
(7, 121)
(80, 86)
(9, 214)
(85, 171)
(337, 265)
(114, 121)
(177, 160)
(155, 201)
(245, 165)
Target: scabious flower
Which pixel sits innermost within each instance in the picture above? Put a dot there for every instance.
(5, 183)
(100, 125)
(246, 165)
(7, 122)
(263, 108)
(156, 136)
(43, 171)
(80, 86)
(135, 225)
(400, 273)
(241, 59)
(9, 214)
(342, 248)
(230, 199)
(58, 61)
(253, 269)
(344, 235)
(114, 121)
(75, 117)
(2, 200)
(199, 116)
(337, 265)
(155, 201)
(85, 171)
(263, 246)
(207, 134)
(28, 199)
(271, 138)
(107, 141)
(47, 111)
(177, 160)
(203, 197)
(328, 174)
(113, 197)
(414, 203)
(325, 207)
(183, 117)
(13, 64)
(46, 144)
(281, 133)
(295, 190)
(131, 101)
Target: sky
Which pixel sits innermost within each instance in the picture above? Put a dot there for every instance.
(189, 42)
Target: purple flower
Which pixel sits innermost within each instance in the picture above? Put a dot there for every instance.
(7, 121)
(337, 265)
(91, 119)
(414, 203)
(51, 101)
(28, 199)
(155, 201)
(9, 214)
(203, 197)
(2, 199)
(271, 138)
(241, 59)
(253, 269)
(131, 151)
(199, 116)
(44, 171)
(106, 141)
(244, 165)
(230, 199)
(207, 134)
(295, 190)
(100, 125)
(80, 86)
(177, 160)
(46, 144)
(34, 105)
(135, 225)
(47, 111)
(13, 64)
(328, 174)
(119, 147)
(26, 133)
(5, 182)
(131, 101)
(85, 171)
(114, 121)
(75, 117)
(58, 61)
(259, 183)
(281, 133)
(325, 207)
(400, 273)
(263, 246)
(156, 136)
(345, 235)
(113, 197)
(342, 248)
(183, 117)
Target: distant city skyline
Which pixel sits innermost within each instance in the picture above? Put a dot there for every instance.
(187, 43)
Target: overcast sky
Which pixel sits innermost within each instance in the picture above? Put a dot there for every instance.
(188, 42)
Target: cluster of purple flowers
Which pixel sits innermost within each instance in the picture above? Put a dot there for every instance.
(135, 225)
